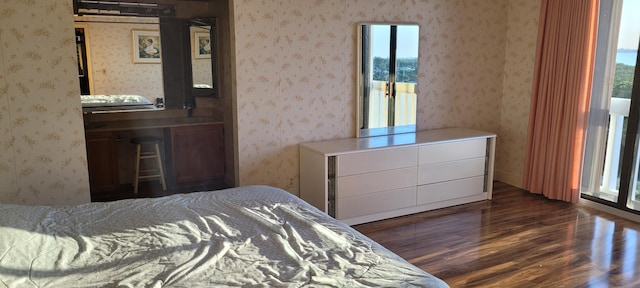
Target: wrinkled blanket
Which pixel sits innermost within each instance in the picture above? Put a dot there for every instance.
(254, 236)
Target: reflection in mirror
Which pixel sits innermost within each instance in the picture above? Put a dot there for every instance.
(201, 64)
(118, 74)
(203, 41)
(387, 78)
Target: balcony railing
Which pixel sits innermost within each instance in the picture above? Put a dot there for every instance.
(618, 112)
(405, 105)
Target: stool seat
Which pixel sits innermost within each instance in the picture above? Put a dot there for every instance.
(146, 140)
(142, 143)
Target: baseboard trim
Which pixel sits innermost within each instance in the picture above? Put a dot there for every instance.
(610, 210)
(510, 178)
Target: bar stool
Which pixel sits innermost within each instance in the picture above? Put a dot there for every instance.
(153, 145)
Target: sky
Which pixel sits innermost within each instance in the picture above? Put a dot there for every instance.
(630, 25)
(407, 46)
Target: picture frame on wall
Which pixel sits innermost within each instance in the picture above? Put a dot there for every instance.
(202, 45)
(146, 46)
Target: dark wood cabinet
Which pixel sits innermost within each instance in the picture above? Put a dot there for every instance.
(193, 156)
(102, 161)
(197, 153)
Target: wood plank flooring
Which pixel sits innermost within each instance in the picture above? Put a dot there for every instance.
(517, 239)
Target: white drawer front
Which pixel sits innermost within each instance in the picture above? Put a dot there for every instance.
(372, 161)
(452, 170)
(450, 151)
(450, 190)
(361, 184)
(375, 203)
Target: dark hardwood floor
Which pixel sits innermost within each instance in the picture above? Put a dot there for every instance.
(517, 239)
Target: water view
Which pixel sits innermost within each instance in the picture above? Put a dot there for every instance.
(627, 57)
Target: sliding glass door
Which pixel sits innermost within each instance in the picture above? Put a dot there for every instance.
(610, 170)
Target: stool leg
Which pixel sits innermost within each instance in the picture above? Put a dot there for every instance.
(164, 184)
(136, 172)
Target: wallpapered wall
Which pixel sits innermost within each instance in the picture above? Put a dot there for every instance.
(42, 159)
(296, 82)
(522, 34)
(111, 49)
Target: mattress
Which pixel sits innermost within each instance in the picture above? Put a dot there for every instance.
(91, 103)
(253, 236)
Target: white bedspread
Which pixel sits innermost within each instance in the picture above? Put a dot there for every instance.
(254, 236)
(113, 100)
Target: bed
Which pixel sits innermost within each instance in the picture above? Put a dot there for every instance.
(116, 102)
(253, 236)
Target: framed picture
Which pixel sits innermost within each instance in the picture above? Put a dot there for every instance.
(146, 46)
(201, 45)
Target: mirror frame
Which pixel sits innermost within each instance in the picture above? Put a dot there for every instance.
(213, 91)
(360, 70)
(177, 70)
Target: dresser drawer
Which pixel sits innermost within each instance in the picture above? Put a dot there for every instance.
(379, 160)
(445, 171)
(375, 203)
(442, 191)
(451, 151)
(354, 185)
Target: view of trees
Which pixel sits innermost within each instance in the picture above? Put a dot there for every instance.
(622, 84)
(406, 70)
(623, 80)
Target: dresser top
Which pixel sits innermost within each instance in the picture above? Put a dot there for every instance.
(348, 145)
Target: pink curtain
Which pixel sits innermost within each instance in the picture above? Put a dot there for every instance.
(560, 98)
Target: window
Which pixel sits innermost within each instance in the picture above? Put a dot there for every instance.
(610, 168)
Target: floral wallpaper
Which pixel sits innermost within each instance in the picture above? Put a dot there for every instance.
(293, 82)
(113, 70)
(522, 34)
(43, 153)
(296, 80)
(8, 184)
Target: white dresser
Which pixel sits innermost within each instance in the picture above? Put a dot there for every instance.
(358, 180)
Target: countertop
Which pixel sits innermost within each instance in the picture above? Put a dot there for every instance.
(149, 124)
(150, 120)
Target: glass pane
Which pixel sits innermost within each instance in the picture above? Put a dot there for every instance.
(406, 74)
(633, 201)
(625, 69)
(620, 102)
(606, 158)
(378, 104)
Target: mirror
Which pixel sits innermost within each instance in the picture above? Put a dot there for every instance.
(387, 78)
(123, 69)
(203, 42)
(118, 74)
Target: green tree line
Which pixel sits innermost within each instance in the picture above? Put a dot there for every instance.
(623, 80)
(406, 69)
